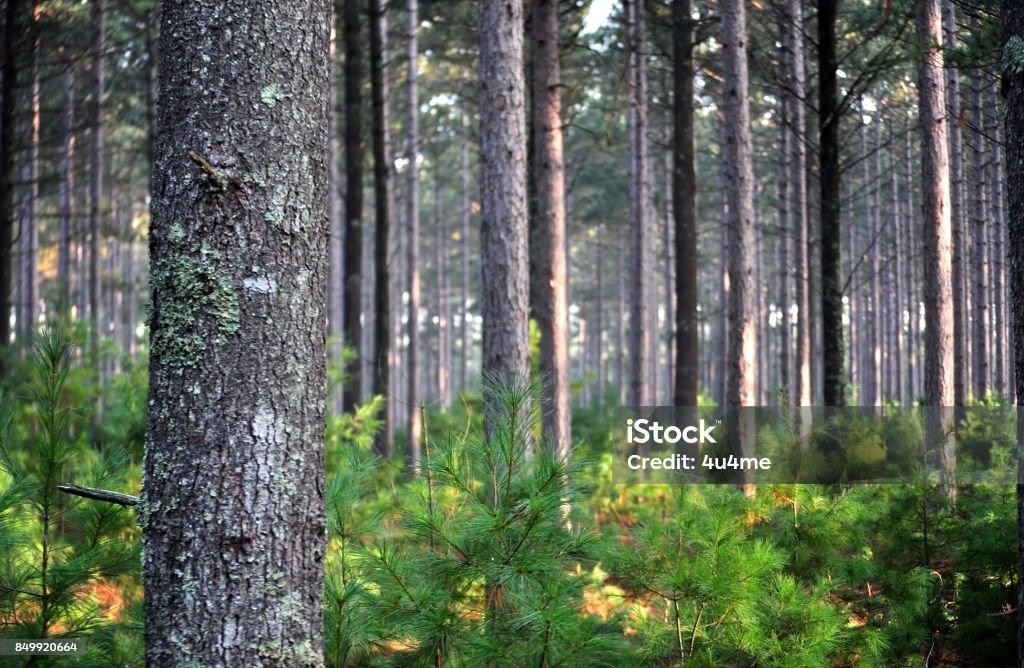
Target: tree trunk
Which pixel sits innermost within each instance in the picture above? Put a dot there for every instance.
(29, 239)
(899, 364)
(782, 243)
(799, 212)
(335, 215)
(831, 281)
(96, 171)
(412, 214)
(232, 504)
(639, 220)
(464, 243)
(67, 186)
(952, 95)
(381, 140)
(684, 206)
(979, 211)
(552, 307)
(353, 295)
(739, 181)
(444, 361)
(8, 104)
(1013, 89)
(935, 189)
(1001, 330)
(503, 226)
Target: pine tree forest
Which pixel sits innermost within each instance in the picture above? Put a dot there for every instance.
(329, 330)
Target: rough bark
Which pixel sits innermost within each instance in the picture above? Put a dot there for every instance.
(552, 307)
(831, 281)
(684, 206)
(381, 139)
(232, 503)
(741, 370)
(1012, 61)
(503, 227)
(412, 215)
(937, 232)
(353, 248)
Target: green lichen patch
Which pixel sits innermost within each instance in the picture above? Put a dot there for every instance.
(1013, 55)
(188, 293)
(270, 95)
(275, 216)
(176, 234)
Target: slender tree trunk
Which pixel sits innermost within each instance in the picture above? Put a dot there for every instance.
(952, 94)
(552, 307)
(935, 189)
(782, 243)
(335, 215)
(799, 213)
(831, 280)
(872, 395)
(464, 243)
(29, 239)
(1012, 14)
(96, 169)
(684, 203)
(598, 399)
(444, 348)
(67, 186)
(382, 209)
(640, 224)
(978, 216)
(741, 381)
(8, 103)
(353, 249)
(620, 313)
(503, 211)
(899, 365)
(412, 215)
(232, 504)
(1000, 320)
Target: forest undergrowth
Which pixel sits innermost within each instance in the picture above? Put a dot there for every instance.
(497, 553)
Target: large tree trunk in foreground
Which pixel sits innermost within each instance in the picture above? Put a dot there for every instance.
(233, 495)
(1013, 88)
(552, 308)
(503, 251)
(684, 201)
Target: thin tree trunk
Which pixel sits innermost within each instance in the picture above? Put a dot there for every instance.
(783, 236)
(684, 202)
(741, 380)
(8, 104)
(383, 206)
(979, 211)
(831, 281)
(552, 307)
(235, 531)
(952, 94)
(29, 239)
(503, 229)
(353, 240)
(799, 212)
(67, 186)
(938, 297)
(335, 215)
(464, 243)
(412, 214)
(640, 224)
(96, 177)
(1001, 329)
(899, 364)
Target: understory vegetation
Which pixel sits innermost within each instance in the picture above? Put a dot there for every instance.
(497, 553)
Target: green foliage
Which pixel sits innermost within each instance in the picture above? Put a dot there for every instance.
(63, 555)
